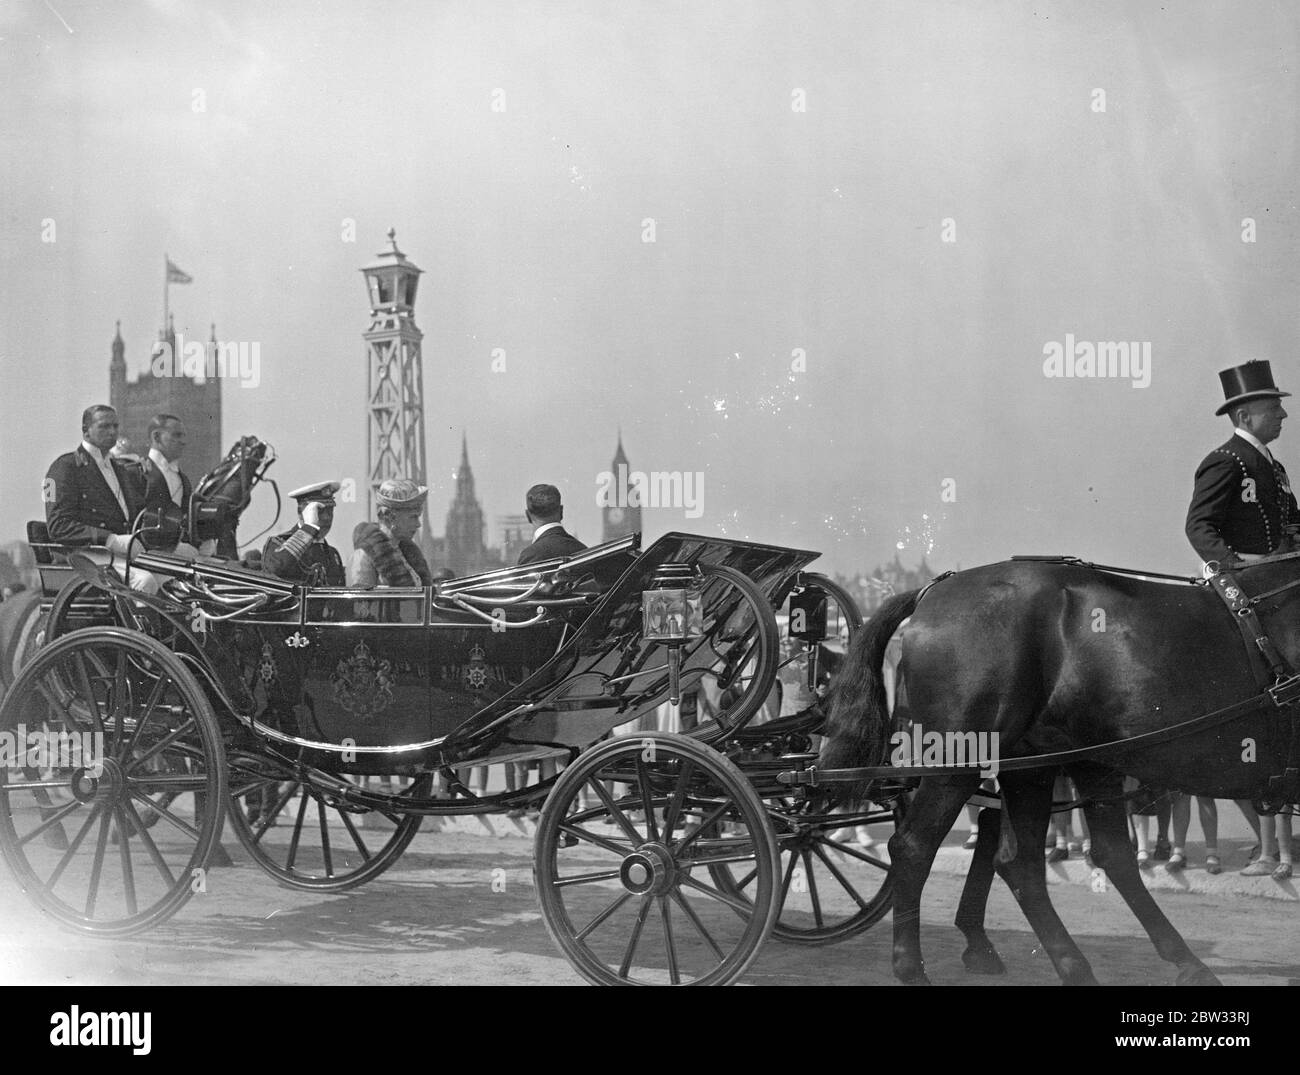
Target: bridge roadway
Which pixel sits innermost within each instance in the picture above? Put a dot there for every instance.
(459, 908)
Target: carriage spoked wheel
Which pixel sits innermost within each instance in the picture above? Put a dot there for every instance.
(834, 871)
(110, 825)
(22, 630)
(307, 837)
(738, 656)
(621, 864)
(81, 604)
(817, 660)
(77, 605)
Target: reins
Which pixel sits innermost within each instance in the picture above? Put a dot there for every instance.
(1284, 691)
(1279, 695)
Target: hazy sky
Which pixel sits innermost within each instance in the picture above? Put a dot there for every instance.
(775, 229)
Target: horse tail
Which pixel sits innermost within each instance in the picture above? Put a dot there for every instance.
(857, 730)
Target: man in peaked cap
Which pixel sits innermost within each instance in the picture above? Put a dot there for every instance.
(385, 553)
(1242, 505)
(302, 554)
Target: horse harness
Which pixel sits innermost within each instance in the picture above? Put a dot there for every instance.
(1273, 673)
(1278, 681)
(1279, 687)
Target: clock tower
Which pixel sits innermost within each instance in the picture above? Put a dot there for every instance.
(618, 521)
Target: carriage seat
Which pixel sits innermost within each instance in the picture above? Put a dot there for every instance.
(38, 537)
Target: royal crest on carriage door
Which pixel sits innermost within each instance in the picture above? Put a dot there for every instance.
(363, 685)
(476, 671)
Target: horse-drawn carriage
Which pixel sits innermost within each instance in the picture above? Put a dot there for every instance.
(318, 720)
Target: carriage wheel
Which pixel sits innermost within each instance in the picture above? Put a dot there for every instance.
(831, 887)
(22, 626)
(842, 619)
(307, 838)
(622, 875)
(92, 827)
(740, 652)
(77, 605)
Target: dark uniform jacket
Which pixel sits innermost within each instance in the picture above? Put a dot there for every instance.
(156, 493)
(1240, 503)
(158, 498)
(80, 508)
(294, 556)
(555, 542)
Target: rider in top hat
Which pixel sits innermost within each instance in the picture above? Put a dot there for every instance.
(1242, 505)
(385, 554)
(302, 554)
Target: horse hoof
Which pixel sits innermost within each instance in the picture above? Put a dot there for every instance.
(912, 975)
(983, 961)
(56, 839)
(1076, 971)
(1198, 975)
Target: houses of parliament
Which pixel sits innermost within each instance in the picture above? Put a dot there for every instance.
(463, 550)
(464, 547)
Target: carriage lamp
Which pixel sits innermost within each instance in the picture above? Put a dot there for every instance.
(672, 614)
(808, 613)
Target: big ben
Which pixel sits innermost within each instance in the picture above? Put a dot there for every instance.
(618, 520)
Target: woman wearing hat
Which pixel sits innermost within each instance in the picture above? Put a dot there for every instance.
(384, 553)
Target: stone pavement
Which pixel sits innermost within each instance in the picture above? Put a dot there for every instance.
(953, 860)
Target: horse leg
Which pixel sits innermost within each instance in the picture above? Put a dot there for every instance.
(980, 956)
(911, 853)
(1027, 804)
(1112, 851)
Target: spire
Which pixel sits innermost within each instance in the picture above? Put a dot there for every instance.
(619, 455)
(464, 541)
(465, 476)
(119, 352)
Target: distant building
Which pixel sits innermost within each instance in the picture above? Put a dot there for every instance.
(196, 403)
(617, 519)
(872, 591)
(462, 549)
(395, 381)
(516, 535)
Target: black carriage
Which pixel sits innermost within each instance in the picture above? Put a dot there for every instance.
(327, 723)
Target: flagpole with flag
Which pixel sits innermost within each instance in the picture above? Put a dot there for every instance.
(171, 275)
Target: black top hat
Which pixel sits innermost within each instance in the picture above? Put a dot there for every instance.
(1251, 380)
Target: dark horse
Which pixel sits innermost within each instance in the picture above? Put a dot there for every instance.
(1052, 657)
